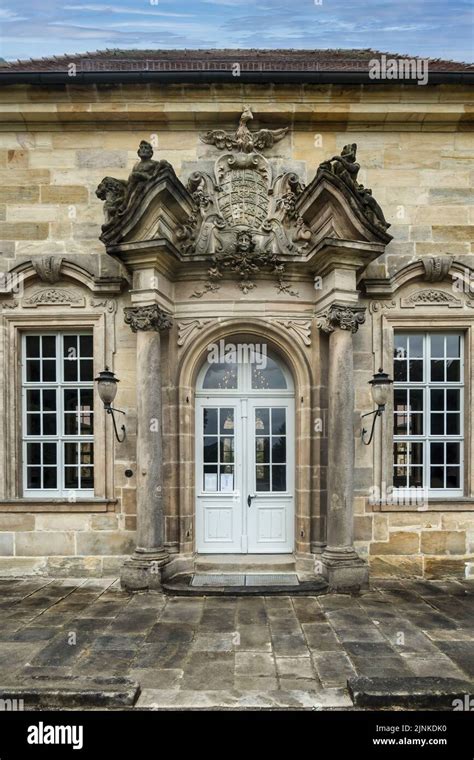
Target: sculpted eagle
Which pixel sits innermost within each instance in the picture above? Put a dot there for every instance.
(243, 139)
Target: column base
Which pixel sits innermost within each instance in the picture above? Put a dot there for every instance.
(344, 570)
(143, 570)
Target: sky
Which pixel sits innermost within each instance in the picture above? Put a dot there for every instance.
(426, 28)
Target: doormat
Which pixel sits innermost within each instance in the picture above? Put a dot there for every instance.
(255, 579)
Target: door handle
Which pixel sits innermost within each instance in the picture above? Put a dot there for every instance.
(249, 499)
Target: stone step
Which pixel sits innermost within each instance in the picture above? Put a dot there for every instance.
(245, 563)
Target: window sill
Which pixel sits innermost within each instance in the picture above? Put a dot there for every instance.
(456, 504)
(57, 505)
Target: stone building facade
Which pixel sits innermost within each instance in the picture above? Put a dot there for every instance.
(246, 222)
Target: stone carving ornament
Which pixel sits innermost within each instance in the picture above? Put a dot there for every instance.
(48, 268)
(342, 317)
(150, 317)
(54, 296)
(246, 220)
(120, 195)
(346, 169)
(243, 139)
(437, 267)
(430, 298)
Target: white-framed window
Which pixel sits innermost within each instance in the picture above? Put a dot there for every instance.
(428, 406)
(58, 414)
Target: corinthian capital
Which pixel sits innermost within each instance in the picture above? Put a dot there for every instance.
(147, 318)
(344, 317)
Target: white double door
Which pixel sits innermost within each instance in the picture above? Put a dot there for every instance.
(244, 475)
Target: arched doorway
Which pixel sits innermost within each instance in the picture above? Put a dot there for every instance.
(245, 429)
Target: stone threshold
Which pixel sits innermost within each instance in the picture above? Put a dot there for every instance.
(73, 692)
(181, 585)
(233, 699)
(410, 692)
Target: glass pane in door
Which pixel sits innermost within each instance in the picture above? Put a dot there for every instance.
(270, 449)
(218, 446)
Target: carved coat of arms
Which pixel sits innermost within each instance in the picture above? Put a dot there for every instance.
(245, 221)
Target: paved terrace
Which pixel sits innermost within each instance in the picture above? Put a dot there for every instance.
(73, 642)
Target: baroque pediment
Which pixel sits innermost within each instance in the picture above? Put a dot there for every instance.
(241, 214)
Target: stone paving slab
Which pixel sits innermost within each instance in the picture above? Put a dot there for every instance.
(265, 652)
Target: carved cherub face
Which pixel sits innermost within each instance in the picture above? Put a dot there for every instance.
(145, 151)
(244, 242)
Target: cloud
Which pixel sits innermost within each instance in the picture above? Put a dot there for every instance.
(413, 27)
(96, 8)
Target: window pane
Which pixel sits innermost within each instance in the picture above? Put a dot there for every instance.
(400, 346)
(226, 482)
(453, 477)
(32, 345)
(279, 421)
(49, 453)
(226, 421)
(227, 450)
(437, 370)
(50, 477)
(453, 400)
(221, 376)
(437, 399)
(71, 478)
(262, 450)
(210, 478)
(87, 453)
(70, 399)
(70, 453)
(262, 421)
(210, 421)
(452, 453)
(87, 370)
(33, 371)
(437, 424)
(210, 449)
(437, 453)
(33, 477)
(453, 374)
(70, 424)
(267, 374)
(453, 424)
(87, 477)
(416, 399)
(416, 371)
(437, 477)
(33, 453)
(400, 370)
(263, 477)
(437, 345)
(416, 424)
(49, 371)
(86, 346)
(49, 424)
(33, 400)
(33, 424)
(48, 347)
(278, 478)
(416, 346)
(453, 345)
(278, 449)
(415, 477)
(49, 401)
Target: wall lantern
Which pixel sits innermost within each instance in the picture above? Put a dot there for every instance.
(381, 384)
(107, 387)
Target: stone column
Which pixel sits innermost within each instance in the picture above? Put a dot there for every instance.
(143, 569)
(341, 564)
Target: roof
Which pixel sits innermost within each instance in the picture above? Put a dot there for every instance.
(215, 60)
